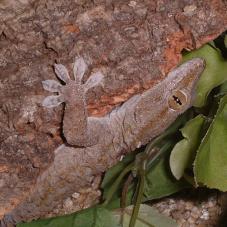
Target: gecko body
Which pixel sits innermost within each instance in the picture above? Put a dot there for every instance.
(150, 111)
(94, 144)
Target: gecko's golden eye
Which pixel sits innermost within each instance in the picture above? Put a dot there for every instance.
(177, 100)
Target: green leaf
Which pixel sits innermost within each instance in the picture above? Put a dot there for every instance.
(225, 41)
(114, 171)
(214, 74)
(160, 181)
(210, 167)
(116, 200)
(113, 174)
(223, 88)
(147, 217)
(92, 217)
(184, 151)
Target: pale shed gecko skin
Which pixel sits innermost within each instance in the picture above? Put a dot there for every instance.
(136, 122)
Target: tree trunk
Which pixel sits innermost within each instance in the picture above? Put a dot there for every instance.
(134, 43)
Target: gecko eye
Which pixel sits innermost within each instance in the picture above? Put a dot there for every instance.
(177, 100)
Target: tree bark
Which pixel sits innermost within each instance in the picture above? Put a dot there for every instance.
(134, 43)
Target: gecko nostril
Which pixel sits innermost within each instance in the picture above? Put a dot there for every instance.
(177, 100)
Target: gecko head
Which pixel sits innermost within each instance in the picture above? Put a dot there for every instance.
(182, 83)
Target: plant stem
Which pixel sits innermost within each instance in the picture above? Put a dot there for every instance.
(125, 191)
(139, 198)
(116, 183)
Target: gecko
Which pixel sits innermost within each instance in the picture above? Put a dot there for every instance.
(93, 144)
(133, 124)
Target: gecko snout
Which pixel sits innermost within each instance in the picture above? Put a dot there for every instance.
(184, 80)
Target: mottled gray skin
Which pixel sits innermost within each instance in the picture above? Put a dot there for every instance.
(138, 120)
(129, 126)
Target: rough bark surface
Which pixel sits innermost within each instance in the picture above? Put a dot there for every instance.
(134, 44)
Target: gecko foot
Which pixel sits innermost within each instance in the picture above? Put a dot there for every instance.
(71, 87)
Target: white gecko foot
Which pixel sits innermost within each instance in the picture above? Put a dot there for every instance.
(71, 87)
(77, 126)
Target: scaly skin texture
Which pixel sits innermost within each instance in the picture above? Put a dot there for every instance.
(133, 124)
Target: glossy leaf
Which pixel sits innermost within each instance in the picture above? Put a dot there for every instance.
(214, 74)
(160, 181)
(147, 217)
(225, 41)
(210, 167)
(92, 217)
(112, 174)
(184, 151)
(223, 88)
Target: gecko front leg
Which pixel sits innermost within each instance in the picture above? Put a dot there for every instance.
(77, 126)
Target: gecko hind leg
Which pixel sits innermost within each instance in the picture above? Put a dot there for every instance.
(76, 125)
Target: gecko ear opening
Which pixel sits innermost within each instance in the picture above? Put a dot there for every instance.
(94, 80)
(79, 69)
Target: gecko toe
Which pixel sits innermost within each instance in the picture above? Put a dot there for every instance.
(51, 85)
(62, 72)
(53, 101)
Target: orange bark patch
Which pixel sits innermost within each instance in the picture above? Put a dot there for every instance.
(3, 169)
(173, 52)
(71, 28)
